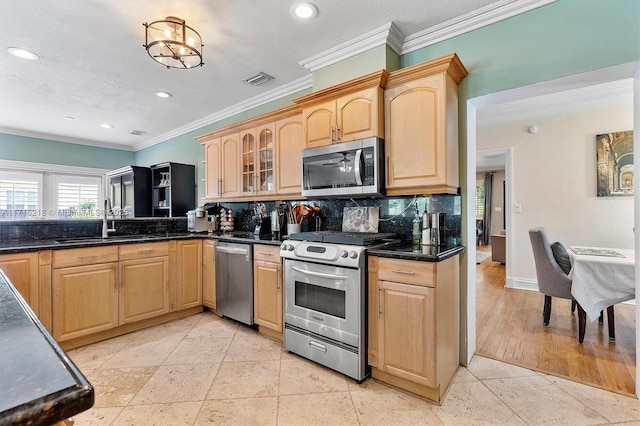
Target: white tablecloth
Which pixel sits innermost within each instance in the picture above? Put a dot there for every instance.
(602, 281)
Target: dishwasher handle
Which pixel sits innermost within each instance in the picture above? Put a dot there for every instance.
(232, 250)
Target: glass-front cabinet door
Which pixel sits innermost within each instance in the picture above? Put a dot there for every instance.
(265, 158)
(248, 149)
(257, 160)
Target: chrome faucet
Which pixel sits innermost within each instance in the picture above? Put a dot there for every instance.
(105, 227)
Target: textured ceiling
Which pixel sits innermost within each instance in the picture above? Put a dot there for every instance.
(94, 68)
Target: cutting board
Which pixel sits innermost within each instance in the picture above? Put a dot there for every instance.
(360, 219)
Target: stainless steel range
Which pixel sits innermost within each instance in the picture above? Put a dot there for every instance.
(325, 300)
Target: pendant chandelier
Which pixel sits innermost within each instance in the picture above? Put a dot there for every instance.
(173, 43)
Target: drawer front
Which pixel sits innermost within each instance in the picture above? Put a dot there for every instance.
(84, 256)
(266, 253)
(140, 251)
(407, 271)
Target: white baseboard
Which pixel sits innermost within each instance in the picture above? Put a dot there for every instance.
(522, 284)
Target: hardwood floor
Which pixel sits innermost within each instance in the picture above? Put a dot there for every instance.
(509, 328)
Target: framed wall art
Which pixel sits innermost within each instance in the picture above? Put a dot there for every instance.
(614, 164)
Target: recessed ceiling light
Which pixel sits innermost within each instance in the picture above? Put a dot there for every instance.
(163, 94)
(22, 53)
(106, 126)
(304, 11)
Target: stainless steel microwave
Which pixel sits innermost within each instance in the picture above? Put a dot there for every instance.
(344, 170)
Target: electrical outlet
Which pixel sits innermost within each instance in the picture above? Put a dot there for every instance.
(517, 208)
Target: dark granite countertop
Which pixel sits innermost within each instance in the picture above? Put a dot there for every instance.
(40, 384)
(22, 246)
(425, 254)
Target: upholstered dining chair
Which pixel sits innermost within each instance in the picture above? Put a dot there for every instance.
(552, 270)
(552, 280)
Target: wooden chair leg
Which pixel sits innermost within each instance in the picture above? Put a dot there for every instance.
(582, 323)
(573, 305)
(546, 313)
(611, 323)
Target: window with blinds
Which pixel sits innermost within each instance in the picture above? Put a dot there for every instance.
(20, 194)
(76, 196)
(47, 194)
(480, 202)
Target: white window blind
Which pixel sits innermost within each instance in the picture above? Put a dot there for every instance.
(76, 196)
(20, 194)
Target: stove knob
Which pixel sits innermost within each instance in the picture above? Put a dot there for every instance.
(290, 247)
(343, 253)
(353, 255)
(283, 247)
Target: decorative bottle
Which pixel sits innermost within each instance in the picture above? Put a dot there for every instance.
(416, 231)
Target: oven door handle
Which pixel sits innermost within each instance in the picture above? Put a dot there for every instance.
(320, 274)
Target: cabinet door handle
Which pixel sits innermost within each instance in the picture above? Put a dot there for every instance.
(379, 302)
(333, 131)
(146, 251)
(337, 133)
(400, 271)
(87, 257)
(266, 254)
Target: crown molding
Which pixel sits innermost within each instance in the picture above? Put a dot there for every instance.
(374, 38)
(264, 98)
(59, 138)
(54, 168)
(473, 20)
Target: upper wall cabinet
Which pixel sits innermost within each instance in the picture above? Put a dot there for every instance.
(352, 110)
(221, 158)
(255, 159)
(421, 127)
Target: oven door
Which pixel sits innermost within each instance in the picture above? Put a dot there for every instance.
(324, 299)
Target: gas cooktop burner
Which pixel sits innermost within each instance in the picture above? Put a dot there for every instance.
(337, 237)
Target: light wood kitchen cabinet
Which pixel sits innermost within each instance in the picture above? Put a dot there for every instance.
(257, 160)
(188, 274)
(222, 162)
(414, 324)
(209, 274)
(22, 270)
(289, 144)
(346, 112)
(421, 127)
(268, 290)
(84, 291)
(144, 281)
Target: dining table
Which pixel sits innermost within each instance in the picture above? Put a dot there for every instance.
(601, 278)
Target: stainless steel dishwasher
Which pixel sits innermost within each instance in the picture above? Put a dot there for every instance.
(234, 281)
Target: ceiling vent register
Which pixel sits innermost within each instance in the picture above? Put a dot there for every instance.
(258, 79)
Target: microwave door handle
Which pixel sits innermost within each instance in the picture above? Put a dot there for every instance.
(320, 274)
(356, 167)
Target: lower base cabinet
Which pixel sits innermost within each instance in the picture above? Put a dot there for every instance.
(22, 270)
(268, 290)
(209, 274)
(188, 274)
(144, 289)
(85, 300)
(414, 324)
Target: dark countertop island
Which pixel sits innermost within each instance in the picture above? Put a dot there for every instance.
(424, 254)
(39, 384)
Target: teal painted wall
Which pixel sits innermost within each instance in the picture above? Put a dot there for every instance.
(563, 38)
(22, 148)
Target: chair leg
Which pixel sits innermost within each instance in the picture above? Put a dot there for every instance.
(611, 323)
(573, 305)
(546, 313)
(582, 323)
(601, 318)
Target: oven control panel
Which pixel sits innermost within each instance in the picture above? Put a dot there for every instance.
(333, 254)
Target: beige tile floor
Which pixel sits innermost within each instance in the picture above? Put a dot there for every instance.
(207, 370)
